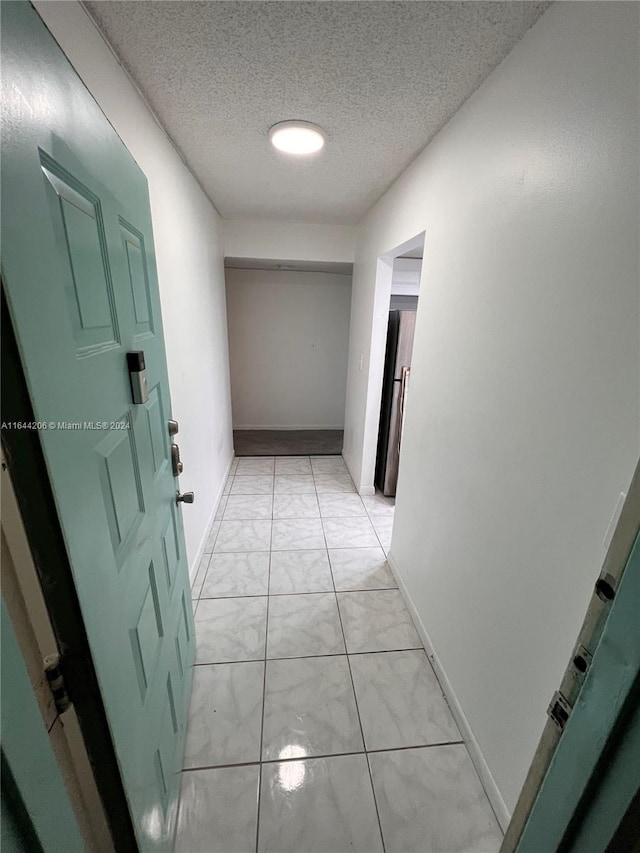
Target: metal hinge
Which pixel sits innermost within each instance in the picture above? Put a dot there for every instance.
(559, 710)
(53, 672)
(606, 587)
(582, 658)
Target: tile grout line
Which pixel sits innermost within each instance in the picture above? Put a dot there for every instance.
(365, 752)
(276, 594)
(264, 682)
(307, 657)
(264, 676)
(355, 697)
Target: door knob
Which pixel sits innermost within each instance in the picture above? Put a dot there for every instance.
(173, 427)
(185, 497)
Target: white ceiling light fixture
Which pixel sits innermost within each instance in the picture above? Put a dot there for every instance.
(297, 137)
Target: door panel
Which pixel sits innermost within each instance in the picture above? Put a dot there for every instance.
(79, 270)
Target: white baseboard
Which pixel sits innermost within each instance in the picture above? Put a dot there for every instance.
(287, 426)
(193, 568)
(482, 768)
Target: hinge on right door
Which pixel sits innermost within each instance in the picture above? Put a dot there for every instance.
(53, 672)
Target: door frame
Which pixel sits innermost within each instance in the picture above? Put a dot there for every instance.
(364, 478)
(25, 459)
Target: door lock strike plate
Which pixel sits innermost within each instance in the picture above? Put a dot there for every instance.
(559, 710)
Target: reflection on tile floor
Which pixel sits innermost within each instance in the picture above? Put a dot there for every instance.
(316, 724)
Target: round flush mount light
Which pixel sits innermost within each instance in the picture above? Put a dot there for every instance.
(297, 137)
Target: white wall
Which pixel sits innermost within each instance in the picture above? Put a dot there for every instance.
(247, 238)
(523, 417)
(288, 341)
(188, 242)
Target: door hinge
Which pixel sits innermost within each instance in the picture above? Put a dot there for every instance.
(606, 587)
(559, 710)
(53, 672)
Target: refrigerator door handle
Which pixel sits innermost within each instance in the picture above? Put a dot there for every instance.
(404, 383)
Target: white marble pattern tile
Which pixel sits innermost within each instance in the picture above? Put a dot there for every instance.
(376, 621)
(225, 714)
(378, 504)
(432, 799)
(321, 805)
(221, 507)
(294, 484)
(246, 507)
(234, 464)
(226, 489)
(383, 527)
(218, 810)
(230, 629)
(230, 575)
(340, 505)
(296, 506)
(349, 532)
(201, 573)
(250, 465)
(400, 701)
(303, 625)
(300, 571)
(249, 535)
(253, 484)
(297, 533)
(328, 465)
(360, 568)
(309, 705)
(293, 465)
(213, 533)
(337, 483)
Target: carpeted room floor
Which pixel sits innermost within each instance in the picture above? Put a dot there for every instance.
(294, 442)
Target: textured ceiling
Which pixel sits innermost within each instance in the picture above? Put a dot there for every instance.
(380, 77)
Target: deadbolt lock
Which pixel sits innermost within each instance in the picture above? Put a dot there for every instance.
(176, 464)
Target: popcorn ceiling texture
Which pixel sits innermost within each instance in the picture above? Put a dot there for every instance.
(381, 78)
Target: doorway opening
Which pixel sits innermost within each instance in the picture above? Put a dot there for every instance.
(398, 276)
(288, 327)
(403, 305)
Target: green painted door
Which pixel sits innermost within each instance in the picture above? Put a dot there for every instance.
(79, 271)
(595, 771)
(36, 812)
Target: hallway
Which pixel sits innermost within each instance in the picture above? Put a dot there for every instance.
(316, 721)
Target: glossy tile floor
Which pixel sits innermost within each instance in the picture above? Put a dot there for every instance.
(317, 724)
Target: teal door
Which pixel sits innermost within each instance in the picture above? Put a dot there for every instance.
(36, 812)
(79, 272)
(595, 771)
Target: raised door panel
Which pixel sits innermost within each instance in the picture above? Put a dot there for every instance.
(138, 278)
(79, 228)
(120, 485)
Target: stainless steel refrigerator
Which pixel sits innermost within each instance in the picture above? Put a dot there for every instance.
(397, 368)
